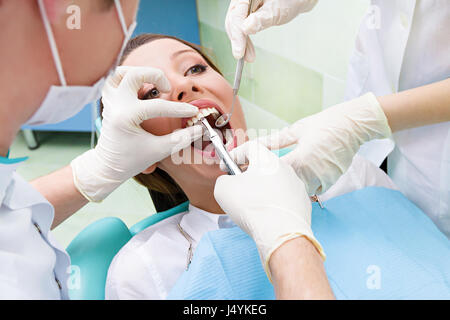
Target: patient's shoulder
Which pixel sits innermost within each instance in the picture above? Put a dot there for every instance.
(166, 226)
(125, 274)
(131, 274)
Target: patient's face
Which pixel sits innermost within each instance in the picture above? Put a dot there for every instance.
(192, 81)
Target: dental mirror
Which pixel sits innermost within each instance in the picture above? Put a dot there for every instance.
(225, 118)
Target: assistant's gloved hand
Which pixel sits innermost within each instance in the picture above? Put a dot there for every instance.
(327, 141)
(269, 13)
(124, 148)
(268, 201)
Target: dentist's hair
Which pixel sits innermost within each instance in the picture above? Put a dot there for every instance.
(164, 191)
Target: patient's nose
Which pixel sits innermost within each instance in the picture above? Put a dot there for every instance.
(183, 95)
(186, 91)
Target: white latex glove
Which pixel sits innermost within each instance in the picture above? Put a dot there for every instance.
(327, 141)
(269, 13)
(268, 201)
(124, 148)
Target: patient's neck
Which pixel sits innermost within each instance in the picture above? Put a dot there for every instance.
(207, 203)
(202, 196)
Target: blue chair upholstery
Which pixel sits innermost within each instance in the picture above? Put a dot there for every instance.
(93, 249)
(153, 219)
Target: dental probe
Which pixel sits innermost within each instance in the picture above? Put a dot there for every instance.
(221, 151)
(225, 118)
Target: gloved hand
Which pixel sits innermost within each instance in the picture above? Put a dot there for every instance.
(124, 148)
(327, 141)
(269, 13)
(268, 201)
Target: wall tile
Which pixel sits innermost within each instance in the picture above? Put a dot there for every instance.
(282, 87)
(217, 46)
(333, 91)
(213, 12)
(322, 39)
(276, 84)
(258, 118)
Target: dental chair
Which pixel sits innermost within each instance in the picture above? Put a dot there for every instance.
(93, 249)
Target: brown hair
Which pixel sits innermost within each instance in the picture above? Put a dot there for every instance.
(164, 191)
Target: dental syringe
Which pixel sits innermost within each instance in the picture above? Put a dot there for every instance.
(220, 149)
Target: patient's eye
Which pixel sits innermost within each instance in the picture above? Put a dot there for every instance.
(151, 94)
(198, 68)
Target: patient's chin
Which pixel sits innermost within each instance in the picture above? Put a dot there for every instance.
(208, 172)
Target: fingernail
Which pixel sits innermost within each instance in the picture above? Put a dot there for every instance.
(246, 27)
(197, 130)
(187, 104)
(191, 108)
(238, 54)
(249, 26)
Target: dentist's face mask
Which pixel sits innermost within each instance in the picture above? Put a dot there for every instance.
(63, 102)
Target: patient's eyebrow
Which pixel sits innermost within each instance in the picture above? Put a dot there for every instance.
(177, 53)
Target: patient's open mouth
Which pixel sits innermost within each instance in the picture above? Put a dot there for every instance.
(210, 111)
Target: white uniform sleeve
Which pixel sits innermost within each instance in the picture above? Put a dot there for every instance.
(361, 173)
(9, 291)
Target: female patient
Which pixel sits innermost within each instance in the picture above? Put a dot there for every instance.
(149, 265)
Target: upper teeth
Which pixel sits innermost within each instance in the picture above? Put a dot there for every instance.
(202, 113)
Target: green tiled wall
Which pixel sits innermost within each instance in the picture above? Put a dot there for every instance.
(300, 68)
(286, 89)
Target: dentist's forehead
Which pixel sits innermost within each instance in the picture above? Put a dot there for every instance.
(158, 53)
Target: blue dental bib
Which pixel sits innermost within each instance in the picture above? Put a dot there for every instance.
(379, 245)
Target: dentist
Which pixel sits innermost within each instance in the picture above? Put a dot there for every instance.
(409, 54)
(399, 87)
(48, 74)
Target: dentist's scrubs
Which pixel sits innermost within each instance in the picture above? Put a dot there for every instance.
(32, 264)
(408, 47)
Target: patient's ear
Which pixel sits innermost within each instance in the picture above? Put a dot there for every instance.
(150, 169)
